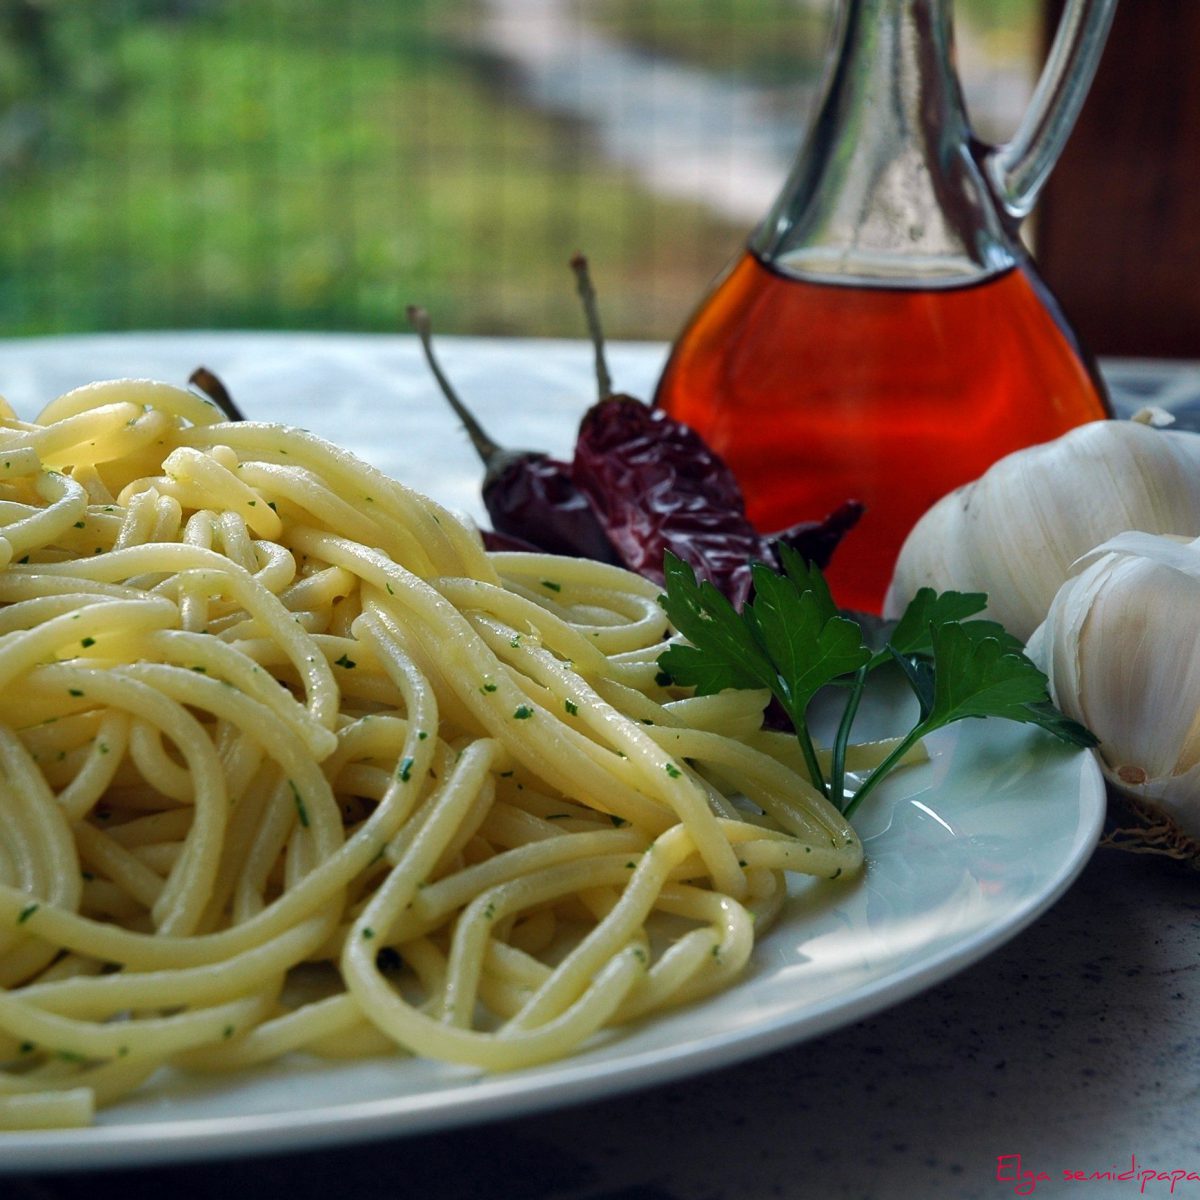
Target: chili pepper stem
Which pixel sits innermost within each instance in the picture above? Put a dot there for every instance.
(217, 392)
(487, 449)
(591, 311)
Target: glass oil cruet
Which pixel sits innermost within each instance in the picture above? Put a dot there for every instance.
(886, 337)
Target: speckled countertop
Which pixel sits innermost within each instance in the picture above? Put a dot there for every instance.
(1076, 1046)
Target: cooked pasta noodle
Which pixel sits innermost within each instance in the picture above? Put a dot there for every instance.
(265, 710)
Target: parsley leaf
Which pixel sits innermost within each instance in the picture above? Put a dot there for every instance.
(928, 611)
(809, 645)
(723, 653)
(792, 640)
(979, 677)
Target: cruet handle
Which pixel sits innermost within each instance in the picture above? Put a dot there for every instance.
(1019, 168)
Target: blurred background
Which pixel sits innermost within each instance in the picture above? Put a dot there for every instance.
(309, 164)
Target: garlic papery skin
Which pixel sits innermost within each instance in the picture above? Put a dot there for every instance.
(1121, 649)
(1016, 530)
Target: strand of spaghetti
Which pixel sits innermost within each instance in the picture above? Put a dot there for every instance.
(211, 656)
(523, 614)
(202, 476)
(101, 997)
(168, 516)
(138, 1038)
(28, 614)
(627, 916)
(269, 842)
(442, 544)
(180, 903)
(585, 571)
(314, 800)
(103, 1082)
(574, 764)
(147, 951)
(419, 1032)
(150, 393)
(140, 518)
(36, 585)
(772, 782)
(700, 962)
(209, 569)
(66, 504)
(21, 652)
(50, 440)
(44, 829)
(320, 504)
(100, 438)
(63, 1108)
(296, 1030)
(437, 900)
(422, 1034)
(661, 773)
(250, 803)
(118, 865)
(470, 670)
(568, 980)
(16, 462)
(148, 754)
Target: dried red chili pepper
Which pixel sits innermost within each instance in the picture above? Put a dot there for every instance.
(640, 484)
(530, 497)
(656, 486)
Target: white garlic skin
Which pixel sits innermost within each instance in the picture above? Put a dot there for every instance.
(1016, 530)
(1121, 648)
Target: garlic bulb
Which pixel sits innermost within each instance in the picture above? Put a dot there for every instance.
(1121, 648)
(1015, 531)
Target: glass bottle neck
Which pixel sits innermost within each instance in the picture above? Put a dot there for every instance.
(886, 190)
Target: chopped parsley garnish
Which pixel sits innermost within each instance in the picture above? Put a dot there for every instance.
(301, 811)
(571, 707)
(345, 661)
(522, 712)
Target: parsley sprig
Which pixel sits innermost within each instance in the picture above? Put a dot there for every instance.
(792, 640)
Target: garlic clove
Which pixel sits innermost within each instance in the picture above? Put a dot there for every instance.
(1121, 653)
(1016, 530)
(1173, 794)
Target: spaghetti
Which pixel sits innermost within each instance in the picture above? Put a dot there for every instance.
(290, 763)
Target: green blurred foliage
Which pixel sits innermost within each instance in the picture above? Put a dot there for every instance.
(310, 164)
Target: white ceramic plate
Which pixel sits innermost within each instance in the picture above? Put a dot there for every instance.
(962, 854)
